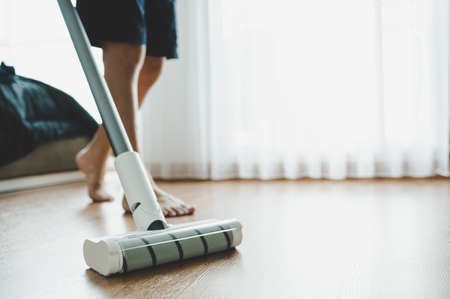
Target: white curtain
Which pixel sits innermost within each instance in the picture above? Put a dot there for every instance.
(290, 89)
(276, 89)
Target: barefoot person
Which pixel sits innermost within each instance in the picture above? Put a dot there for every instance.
(135, 36)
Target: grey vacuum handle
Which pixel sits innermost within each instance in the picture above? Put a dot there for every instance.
(111, 120)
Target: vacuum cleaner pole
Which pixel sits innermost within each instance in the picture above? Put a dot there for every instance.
(134, 179)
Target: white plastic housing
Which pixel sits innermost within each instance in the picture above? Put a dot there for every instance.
(103, 255)
(138, 190)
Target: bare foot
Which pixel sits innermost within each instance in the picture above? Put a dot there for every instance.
(94, 169)
(170, 205)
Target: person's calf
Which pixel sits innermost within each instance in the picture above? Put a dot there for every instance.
(122, 60)
(149, 74)
(122, 66)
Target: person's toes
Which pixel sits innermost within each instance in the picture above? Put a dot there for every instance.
(165, 212)
(189, 209)
(175, 211)
(183, 210)
(180, 211)
(170, 212)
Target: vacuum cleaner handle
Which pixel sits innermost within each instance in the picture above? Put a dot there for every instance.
(140, 196)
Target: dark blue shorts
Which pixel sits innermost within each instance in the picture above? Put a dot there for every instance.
(142, 22)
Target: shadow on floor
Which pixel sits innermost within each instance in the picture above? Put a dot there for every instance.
(152, 277)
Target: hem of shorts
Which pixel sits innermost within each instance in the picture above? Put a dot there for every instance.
(98, 42)
(168, 54)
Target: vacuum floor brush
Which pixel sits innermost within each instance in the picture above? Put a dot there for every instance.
(156, 242)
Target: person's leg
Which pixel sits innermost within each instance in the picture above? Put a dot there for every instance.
(129, 81)
(149, 74)
(123, 63)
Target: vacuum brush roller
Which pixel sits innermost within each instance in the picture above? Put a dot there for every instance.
(133, 251)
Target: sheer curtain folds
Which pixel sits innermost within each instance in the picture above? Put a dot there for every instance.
(291, 89)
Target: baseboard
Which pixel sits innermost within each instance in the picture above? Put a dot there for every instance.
(38, 181)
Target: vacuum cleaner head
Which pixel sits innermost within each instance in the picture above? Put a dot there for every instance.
(133, 251)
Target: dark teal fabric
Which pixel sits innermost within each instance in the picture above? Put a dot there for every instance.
(33, 113)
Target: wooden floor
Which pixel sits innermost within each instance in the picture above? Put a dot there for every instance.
(302, 239)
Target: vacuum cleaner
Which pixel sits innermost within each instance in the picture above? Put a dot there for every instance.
(155, 242)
